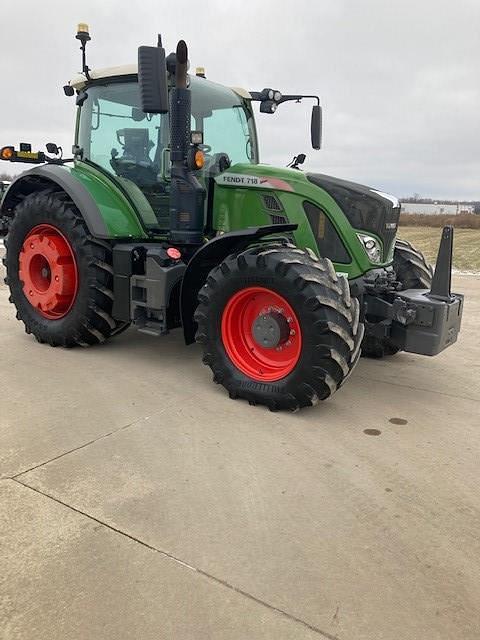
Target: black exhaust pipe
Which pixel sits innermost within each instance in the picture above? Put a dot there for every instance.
(187, 195)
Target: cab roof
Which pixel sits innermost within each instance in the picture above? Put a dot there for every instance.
(80, 80)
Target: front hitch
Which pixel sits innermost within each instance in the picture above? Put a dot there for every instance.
(428, 321)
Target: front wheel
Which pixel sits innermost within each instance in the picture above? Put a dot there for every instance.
(278, 327)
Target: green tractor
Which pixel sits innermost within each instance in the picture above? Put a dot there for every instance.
(165, 218)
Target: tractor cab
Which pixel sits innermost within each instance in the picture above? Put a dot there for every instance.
(133, 147)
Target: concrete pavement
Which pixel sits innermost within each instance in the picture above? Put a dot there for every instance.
(138, 501)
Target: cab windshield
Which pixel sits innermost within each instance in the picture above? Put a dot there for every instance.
(115, 133)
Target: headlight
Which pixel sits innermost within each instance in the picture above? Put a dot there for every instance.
(372, 247)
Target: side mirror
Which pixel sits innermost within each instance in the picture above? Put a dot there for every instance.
(152, 79)
(316, 126)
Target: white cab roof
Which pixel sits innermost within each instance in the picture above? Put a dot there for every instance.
(80, 80)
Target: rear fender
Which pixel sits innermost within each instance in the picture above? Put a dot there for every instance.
(105, 210)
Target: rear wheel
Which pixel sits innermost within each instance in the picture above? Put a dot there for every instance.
(413, 272)
(278, 327)
(60, 278)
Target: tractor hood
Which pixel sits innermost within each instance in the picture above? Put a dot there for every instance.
(253, 194)
(366, 209)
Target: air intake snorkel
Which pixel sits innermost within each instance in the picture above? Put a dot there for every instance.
(187, 195)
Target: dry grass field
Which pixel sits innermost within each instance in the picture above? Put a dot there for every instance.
(460, 221)
(466, 245)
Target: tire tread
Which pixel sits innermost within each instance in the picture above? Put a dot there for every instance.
(326, 298)
(95, 323)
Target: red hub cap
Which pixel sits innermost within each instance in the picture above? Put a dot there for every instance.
(261, 334)
(48, 271)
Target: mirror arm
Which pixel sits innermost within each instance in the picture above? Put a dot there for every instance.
(257, 96)
(297, 98)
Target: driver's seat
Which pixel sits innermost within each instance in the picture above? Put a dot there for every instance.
(136, 145)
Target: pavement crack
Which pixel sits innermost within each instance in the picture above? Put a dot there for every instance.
(81, 446)
(270, 606)
(179, 561)
(335, 615)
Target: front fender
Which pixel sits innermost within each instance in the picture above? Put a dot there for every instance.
(209, 256)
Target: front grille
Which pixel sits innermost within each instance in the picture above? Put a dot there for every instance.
(390, 231)
(365, 209)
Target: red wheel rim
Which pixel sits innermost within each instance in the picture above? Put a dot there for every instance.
(48, 271)
(247, 307)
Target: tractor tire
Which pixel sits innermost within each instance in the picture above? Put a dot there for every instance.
(60, 277)
(278, 327)
(414, 272)
(411, 267)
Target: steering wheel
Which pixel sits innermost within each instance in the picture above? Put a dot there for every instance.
(140, 173)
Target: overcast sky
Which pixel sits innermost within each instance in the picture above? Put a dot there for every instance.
(399, 81)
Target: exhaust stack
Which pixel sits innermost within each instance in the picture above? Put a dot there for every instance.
(187, 195)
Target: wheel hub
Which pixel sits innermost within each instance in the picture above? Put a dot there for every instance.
(261, 334)
(48, 272)
(270, 330)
